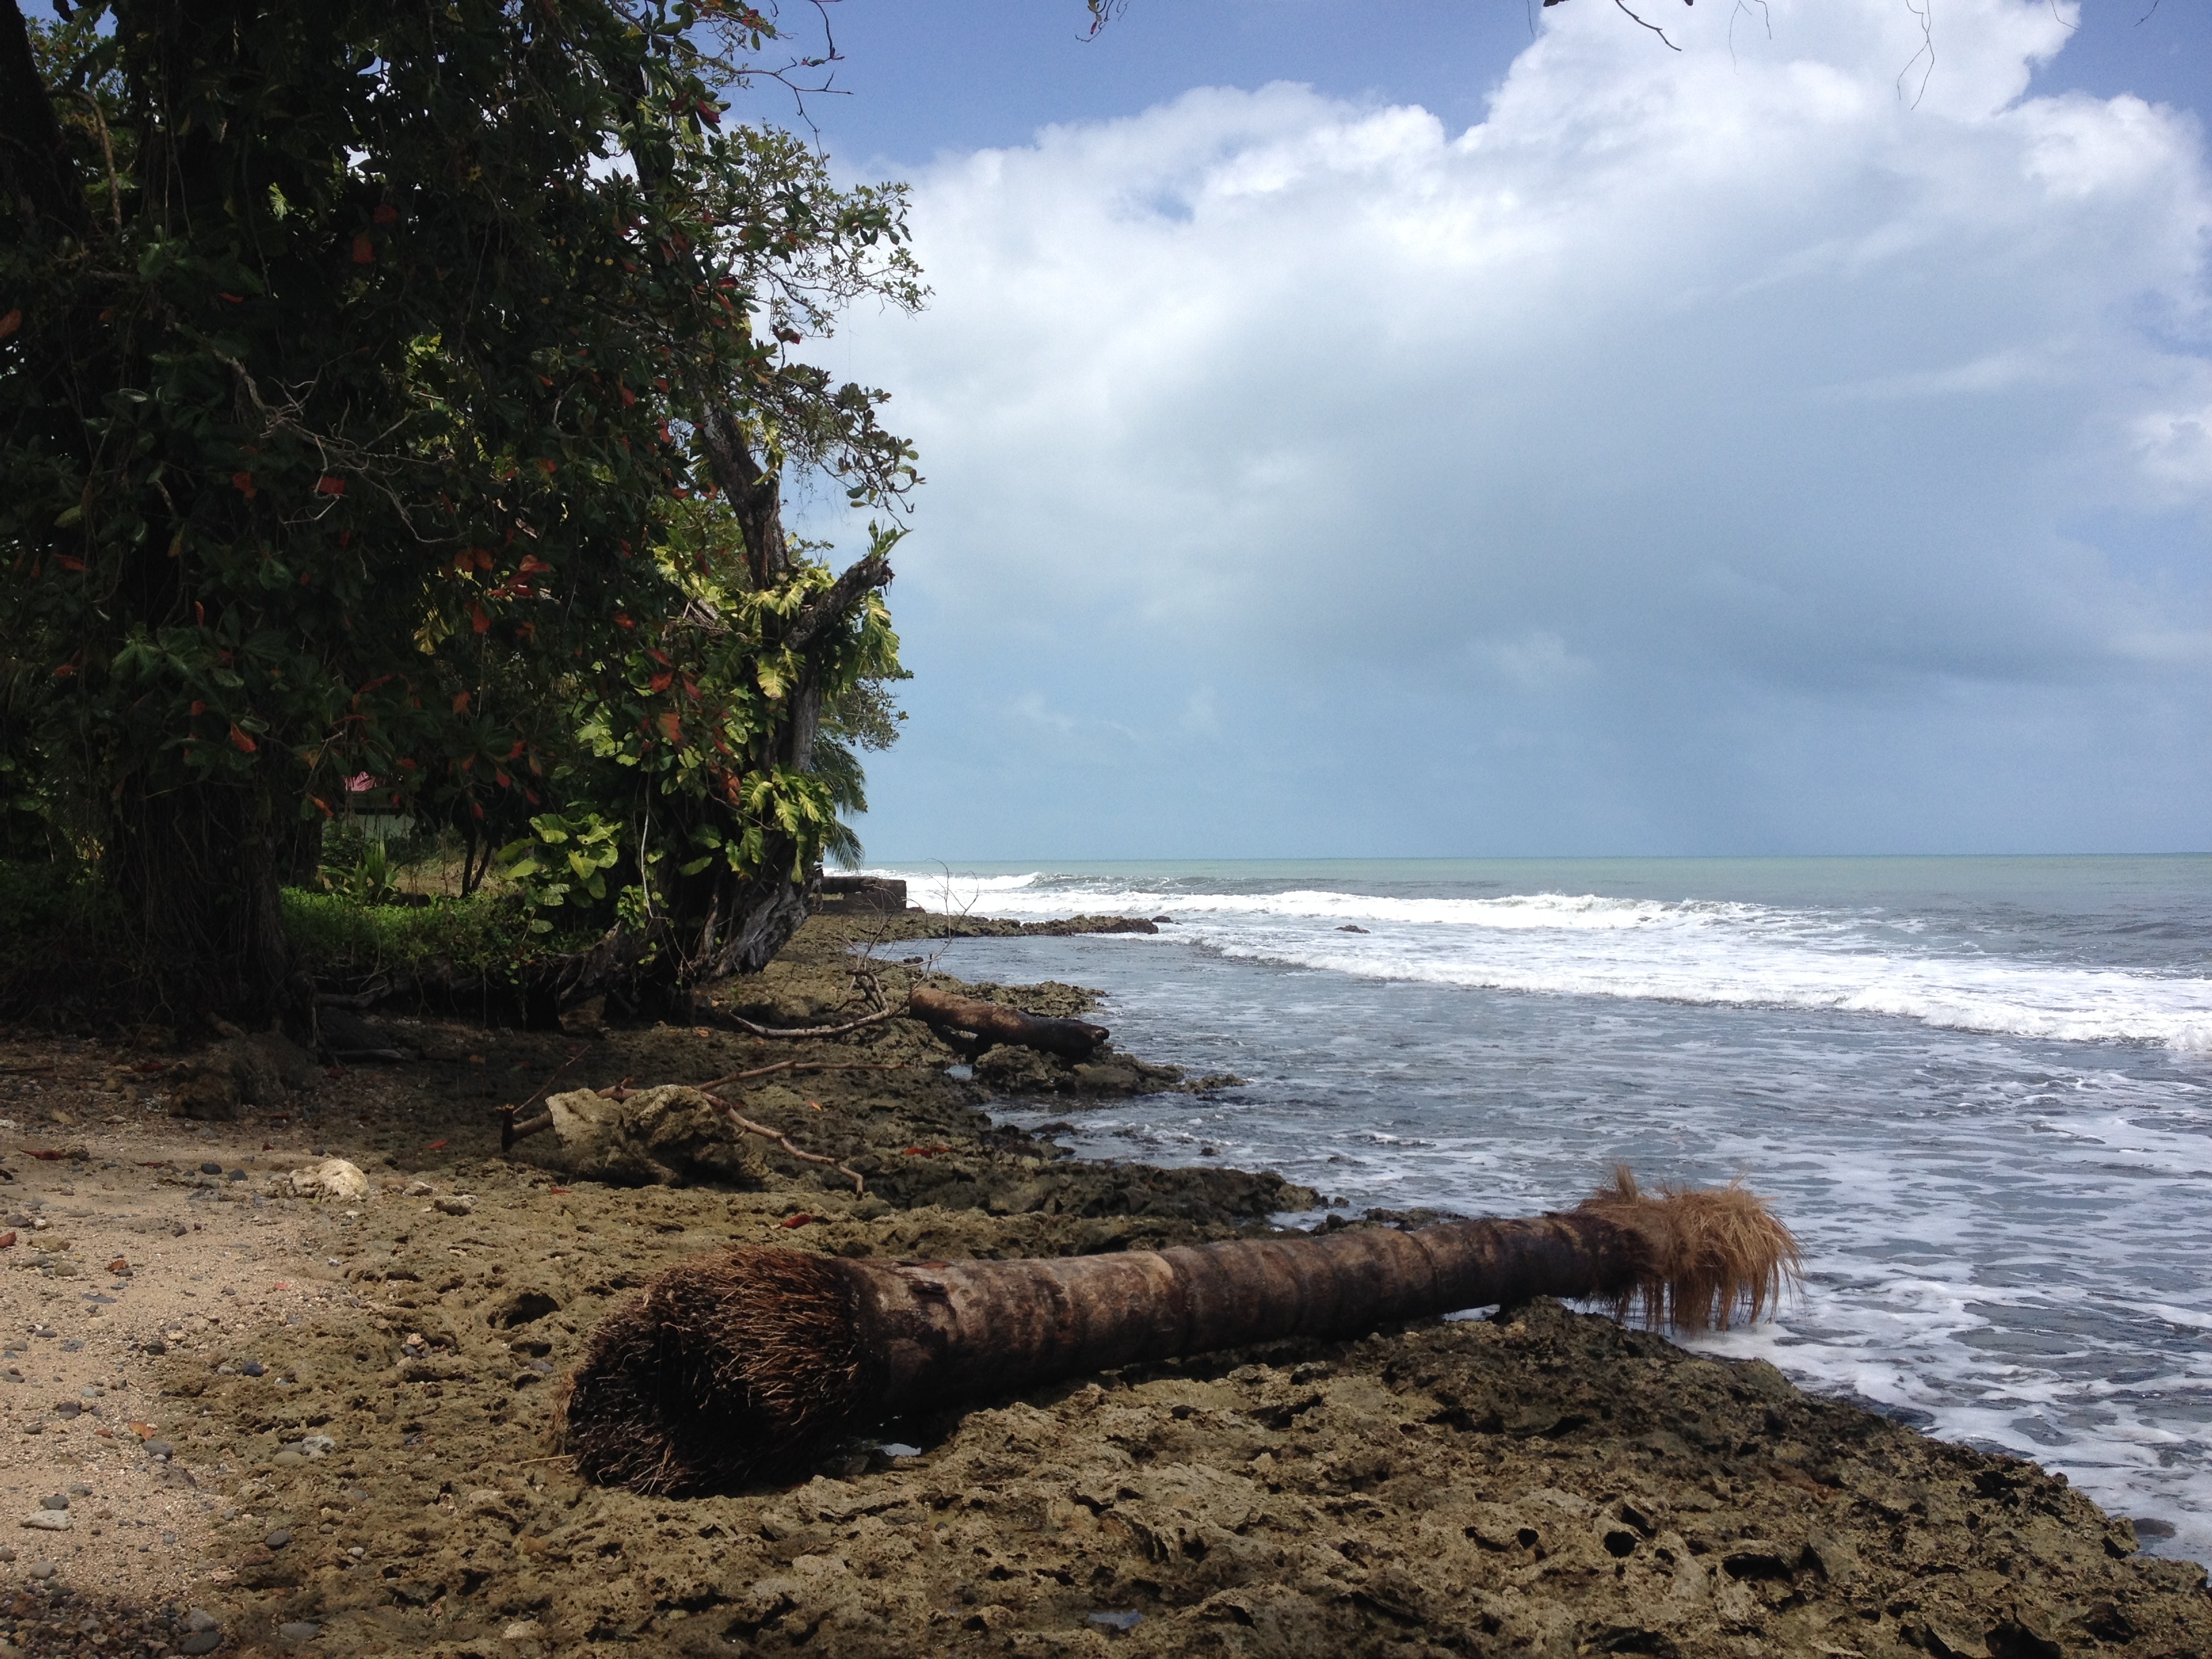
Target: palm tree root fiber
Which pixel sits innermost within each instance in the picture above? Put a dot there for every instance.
(743, 1365)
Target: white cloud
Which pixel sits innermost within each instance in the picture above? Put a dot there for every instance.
(1722, 414)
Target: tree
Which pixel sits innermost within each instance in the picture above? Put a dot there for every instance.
(408, 392)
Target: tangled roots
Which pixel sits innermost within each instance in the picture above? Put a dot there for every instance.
(1709, 1254)
(731, 1368)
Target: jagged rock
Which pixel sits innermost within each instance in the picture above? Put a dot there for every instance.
(669, 1136)
(588, 1018)
(345, 1035)
(242, 1071)
(1110, 1074)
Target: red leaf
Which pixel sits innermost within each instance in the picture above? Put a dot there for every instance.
(461, 703)
(243, 482)
(622, 621)
(13, 320)
(795, 1221)
(437, 1146)
(386, 214)
(671, 727)
(235, 299)
(198, 708)
(68, 561)
(240, 742)
(659, 682)
(330, 486)
(364, 251)
(628, 397)
(478, 620)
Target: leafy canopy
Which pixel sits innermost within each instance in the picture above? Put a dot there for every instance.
(351, 423)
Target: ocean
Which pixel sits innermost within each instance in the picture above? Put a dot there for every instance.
(1979, 1089)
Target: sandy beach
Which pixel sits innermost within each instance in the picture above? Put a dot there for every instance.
(313, 1425)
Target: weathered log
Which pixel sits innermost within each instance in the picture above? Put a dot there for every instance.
(743, 1364)
(995, 1023)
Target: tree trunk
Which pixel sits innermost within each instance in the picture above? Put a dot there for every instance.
(995, 1022)
(197, 872)
(34, 163)
(746, 1364)
(723, 924)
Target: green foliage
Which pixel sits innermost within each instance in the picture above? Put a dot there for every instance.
(561, 858)
(354, 429)
(358, 868)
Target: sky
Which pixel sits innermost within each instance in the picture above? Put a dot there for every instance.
(1429, 428)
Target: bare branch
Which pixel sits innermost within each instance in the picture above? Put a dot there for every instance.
(784, 1141)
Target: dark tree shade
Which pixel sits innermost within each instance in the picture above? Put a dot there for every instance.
(405, 392)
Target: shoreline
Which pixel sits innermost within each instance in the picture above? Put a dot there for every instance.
(1553, 1483)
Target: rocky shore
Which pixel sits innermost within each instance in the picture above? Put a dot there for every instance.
(356, 1401)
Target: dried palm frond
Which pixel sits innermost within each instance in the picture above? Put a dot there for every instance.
(1710, 1253)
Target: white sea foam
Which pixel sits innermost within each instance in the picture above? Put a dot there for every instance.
(1719, 953)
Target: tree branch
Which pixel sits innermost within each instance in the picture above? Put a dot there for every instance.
(824, 611)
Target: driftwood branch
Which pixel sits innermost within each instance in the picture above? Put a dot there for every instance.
(784, 1141)
(747, 1026)
(995, 1023)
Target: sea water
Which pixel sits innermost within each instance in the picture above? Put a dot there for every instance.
(1979, 1089)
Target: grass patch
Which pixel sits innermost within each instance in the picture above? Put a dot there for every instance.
(485, 933)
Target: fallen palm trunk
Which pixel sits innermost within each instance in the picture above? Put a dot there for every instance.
(995, 1023)
(743, 1364)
